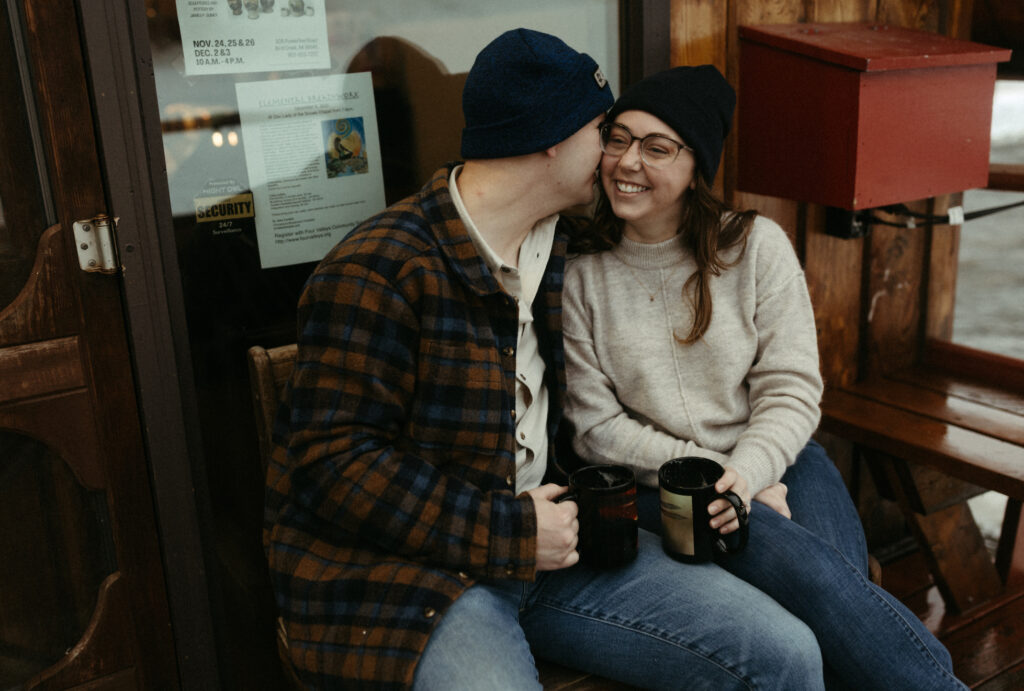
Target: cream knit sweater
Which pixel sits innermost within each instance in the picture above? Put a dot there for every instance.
(746, 394)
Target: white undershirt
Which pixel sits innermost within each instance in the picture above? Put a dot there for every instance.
(522, 284)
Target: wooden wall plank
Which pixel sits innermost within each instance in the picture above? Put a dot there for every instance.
(701, 26)
(841, 10)
(893, 304)
(911, 14)
(943, 262)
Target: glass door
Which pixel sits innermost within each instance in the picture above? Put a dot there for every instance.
(285, 123)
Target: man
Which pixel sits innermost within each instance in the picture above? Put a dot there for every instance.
(411, 537)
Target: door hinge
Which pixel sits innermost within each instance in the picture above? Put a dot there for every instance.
(94, 238)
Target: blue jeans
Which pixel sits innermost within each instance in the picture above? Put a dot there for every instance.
(762, 619)
(656, 624)
(816, 567)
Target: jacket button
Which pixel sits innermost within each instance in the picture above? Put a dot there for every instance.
(513, 414)
(509, 480)
(510, 568)
(463, 575)
(508, 351)
(429, 612)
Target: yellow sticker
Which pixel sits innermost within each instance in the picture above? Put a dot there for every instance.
(223, 208)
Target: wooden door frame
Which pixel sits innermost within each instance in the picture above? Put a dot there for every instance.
(125, 108)
(645, 45)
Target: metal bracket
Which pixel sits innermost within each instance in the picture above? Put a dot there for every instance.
(94, 239)
(842, 223)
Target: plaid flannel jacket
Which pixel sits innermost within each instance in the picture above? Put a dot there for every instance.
(390, 490)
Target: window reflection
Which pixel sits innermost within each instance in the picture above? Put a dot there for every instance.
(22, 218)
(989, 314)
(417, 54)
(1008, 122)
(990, 281)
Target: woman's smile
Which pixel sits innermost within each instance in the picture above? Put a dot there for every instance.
(630, 187)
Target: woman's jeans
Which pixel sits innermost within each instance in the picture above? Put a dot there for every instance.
(762, 619)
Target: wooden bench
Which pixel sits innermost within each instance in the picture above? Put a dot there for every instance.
(269, 369)
(934, 435)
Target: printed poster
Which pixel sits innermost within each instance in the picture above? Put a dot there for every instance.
(236, 36)
(312, 152)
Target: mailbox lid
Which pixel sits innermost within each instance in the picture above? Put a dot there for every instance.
(872, 47)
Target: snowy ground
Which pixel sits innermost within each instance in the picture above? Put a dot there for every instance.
(990, 281)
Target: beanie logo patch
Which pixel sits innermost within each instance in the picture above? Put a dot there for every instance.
(599, 78)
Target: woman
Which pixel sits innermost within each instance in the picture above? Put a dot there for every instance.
(689, 332)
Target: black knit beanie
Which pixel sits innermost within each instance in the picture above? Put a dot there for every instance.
(528, 91)
(697, 102)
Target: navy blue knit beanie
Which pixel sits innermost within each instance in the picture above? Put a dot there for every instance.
(528, 91)
(697, 102)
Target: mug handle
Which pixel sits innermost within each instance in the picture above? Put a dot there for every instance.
(741, 513)
(568, 496)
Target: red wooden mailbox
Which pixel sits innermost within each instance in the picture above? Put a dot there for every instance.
(858, 116)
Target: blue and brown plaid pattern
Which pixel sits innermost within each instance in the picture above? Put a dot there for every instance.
(390, 487)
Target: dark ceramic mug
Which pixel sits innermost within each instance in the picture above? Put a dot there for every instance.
(687, 487)
(606, 496)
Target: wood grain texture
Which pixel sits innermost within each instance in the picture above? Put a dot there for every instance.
(893, 305)
(960, 452)
(943, 263)
(959, 562)
(704, 24)
(40, 368)
(99, 653)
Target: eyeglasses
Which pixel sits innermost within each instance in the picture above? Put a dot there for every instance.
(656, 150)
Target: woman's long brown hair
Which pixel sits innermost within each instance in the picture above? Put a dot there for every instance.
(708, 228)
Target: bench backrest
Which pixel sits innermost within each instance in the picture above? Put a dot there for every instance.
(269, 369)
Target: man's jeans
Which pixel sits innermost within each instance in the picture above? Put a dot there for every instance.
(762, 619)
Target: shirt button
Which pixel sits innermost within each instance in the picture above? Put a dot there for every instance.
(508, 351)
(522, 436)
(429, 612)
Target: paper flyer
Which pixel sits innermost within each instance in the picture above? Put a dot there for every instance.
(237, 36)
(312, 152)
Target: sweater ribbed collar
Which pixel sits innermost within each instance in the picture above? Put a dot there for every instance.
(658, 255)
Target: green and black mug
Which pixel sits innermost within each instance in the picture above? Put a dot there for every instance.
(687, 487)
